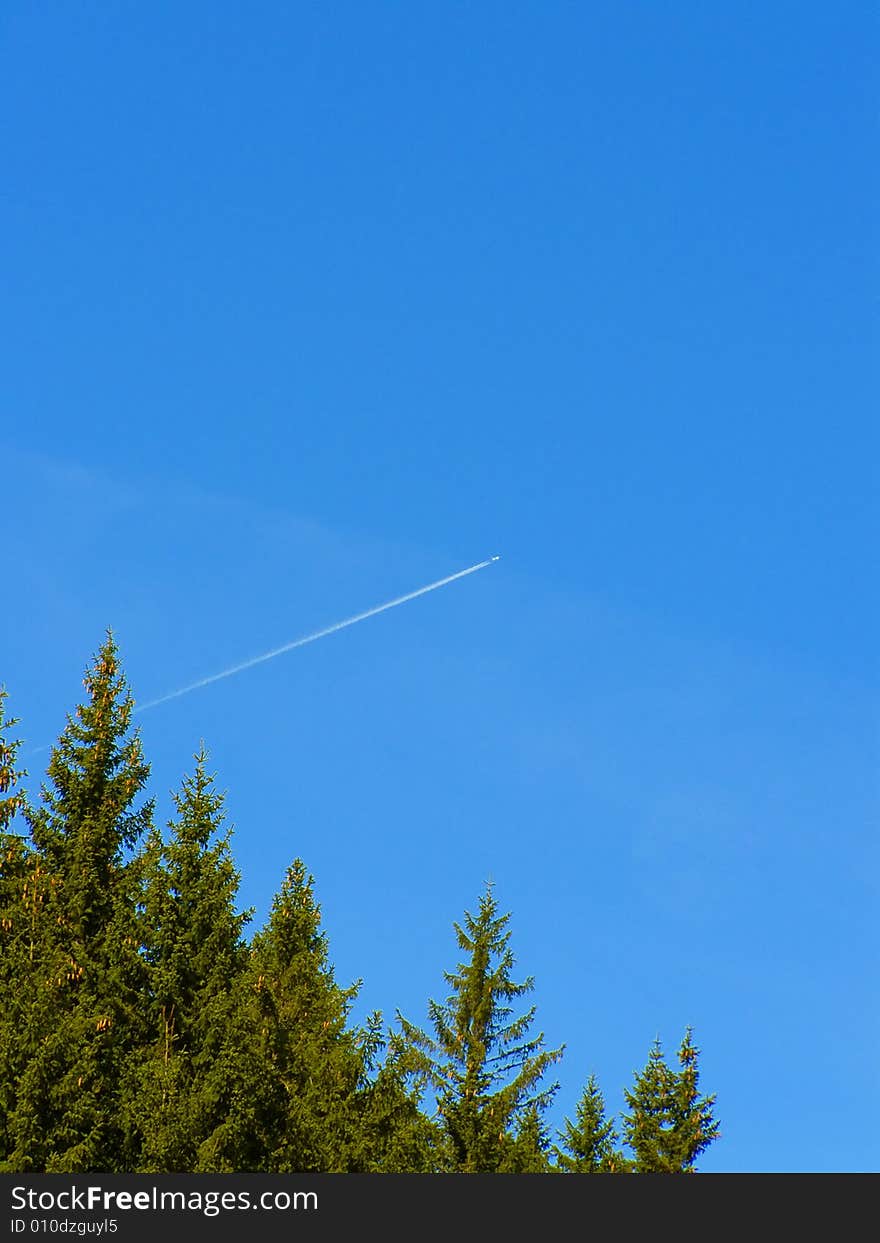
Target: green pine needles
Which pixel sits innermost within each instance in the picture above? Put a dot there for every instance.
(590, 1143)
(669, 1124)
(142, 1031)
(483, 1067)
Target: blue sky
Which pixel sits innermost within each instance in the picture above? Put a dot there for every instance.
(306, 306)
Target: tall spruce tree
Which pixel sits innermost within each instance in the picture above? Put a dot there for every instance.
(590, 1144)
(191, 934)
(84, 1015)
(669, 1124)
(484, 1069)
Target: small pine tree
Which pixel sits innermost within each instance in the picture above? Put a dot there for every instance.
(395, 1135)
(529, 1153)
(485, 1071)
(590, 1143)
(669, 1125)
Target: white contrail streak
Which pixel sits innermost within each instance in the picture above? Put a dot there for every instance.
(312, 638)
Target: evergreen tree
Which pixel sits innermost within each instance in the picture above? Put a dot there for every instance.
(670, 1124)
(15, 916)
(84, 1007)
(590, 1143)
(192, 942)
(12, 800)
(313, 1060)
(695, 1122)
(530, 1151)
(485, 1070)
(395, 1135)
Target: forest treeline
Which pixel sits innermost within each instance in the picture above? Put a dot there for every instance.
(142, 1031)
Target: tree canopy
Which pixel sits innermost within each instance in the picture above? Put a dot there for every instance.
(142, 1030)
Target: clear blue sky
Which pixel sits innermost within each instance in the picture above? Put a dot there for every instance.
(307, 305)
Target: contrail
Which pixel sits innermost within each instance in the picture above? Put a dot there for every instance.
(312, 638)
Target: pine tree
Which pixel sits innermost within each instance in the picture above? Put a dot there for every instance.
(12, 800)
(669, 1125)
(84, 1010)
(15, 869)
(530, 1151)
(192, 942)
(312, 1059)
(590, 1143)
(485, 1070)
(395, 1135)
(695, 1122)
